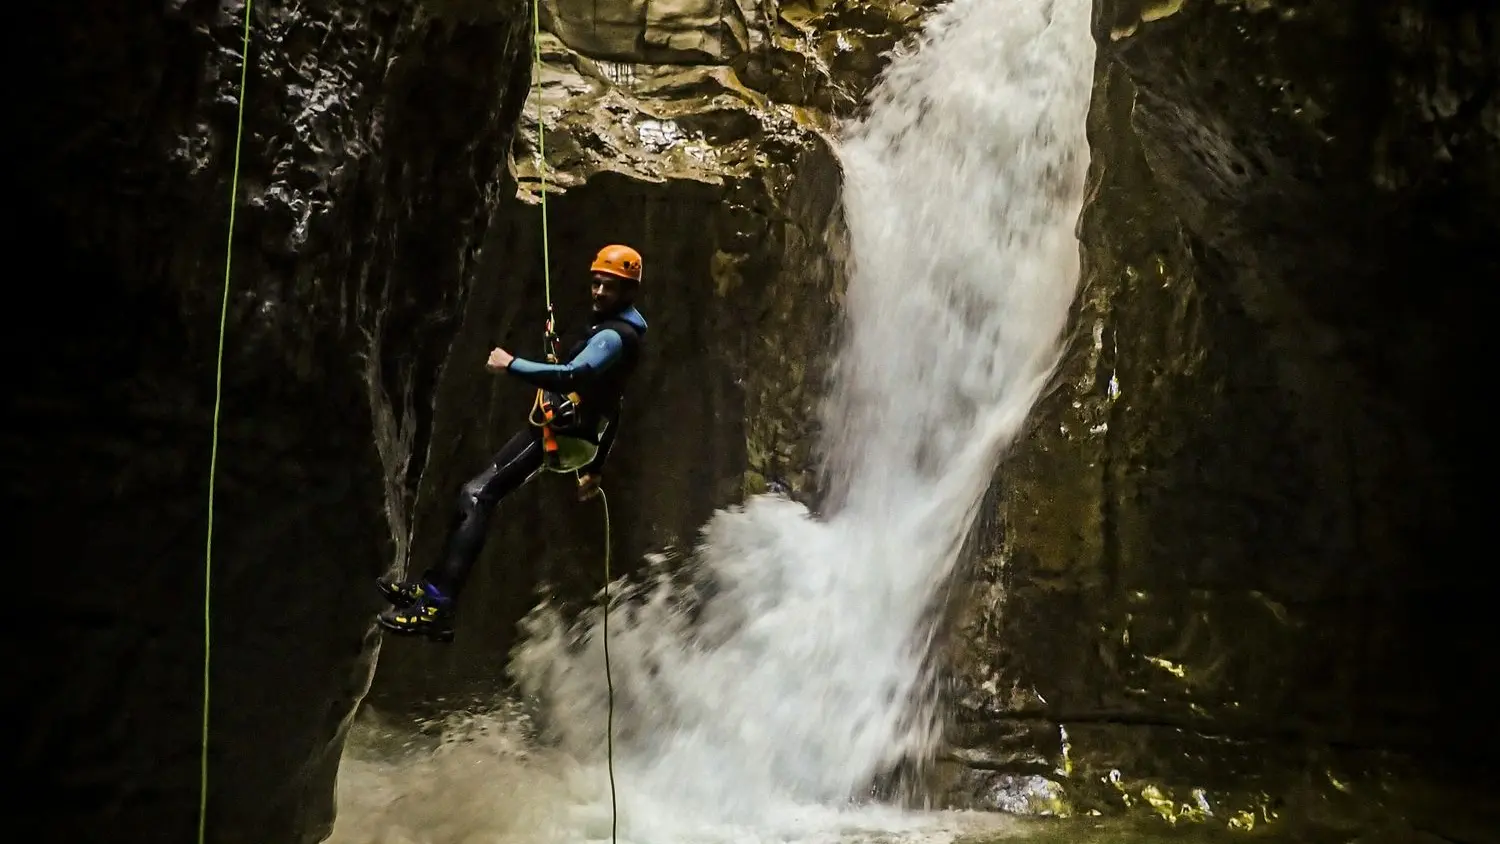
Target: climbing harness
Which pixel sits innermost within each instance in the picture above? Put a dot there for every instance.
(564, 454)
(561, 453)
(213, 454)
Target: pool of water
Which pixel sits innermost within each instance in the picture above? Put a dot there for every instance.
(483, 779)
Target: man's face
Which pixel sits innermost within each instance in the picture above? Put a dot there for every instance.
(607, 290)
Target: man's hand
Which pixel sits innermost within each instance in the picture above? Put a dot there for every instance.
(588, 487)
(499, 360)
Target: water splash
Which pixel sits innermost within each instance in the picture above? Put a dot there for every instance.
(482, 780)
(765, 684)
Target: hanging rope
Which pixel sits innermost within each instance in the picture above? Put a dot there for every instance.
(609, 740)
(213, 458)
(550, 340)
(541, 169)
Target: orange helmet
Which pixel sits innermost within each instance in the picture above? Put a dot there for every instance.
(618, 261)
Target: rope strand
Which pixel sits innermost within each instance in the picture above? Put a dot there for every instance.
(609, 740)
(213, 458)
(541, 148)
(550, 343)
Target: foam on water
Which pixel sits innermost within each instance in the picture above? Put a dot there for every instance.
(486, 781)
(758, 697)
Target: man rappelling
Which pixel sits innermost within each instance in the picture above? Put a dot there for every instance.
(573, 425)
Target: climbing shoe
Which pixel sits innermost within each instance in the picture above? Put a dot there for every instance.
(430, 615)
(401, 593)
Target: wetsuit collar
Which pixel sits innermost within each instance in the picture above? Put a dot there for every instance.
(627, 314)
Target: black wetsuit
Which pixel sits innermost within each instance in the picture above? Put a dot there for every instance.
(598, 367)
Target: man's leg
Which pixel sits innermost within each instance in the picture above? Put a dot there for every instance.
(429, 605)
(511, 467)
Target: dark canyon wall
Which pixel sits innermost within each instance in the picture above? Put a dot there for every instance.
(374, 134)
(1237, 550)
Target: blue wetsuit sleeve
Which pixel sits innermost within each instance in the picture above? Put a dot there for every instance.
(601, 353)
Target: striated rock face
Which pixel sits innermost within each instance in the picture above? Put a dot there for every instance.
(1233, 554)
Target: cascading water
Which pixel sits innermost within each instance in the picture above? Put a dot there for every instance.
(802, 673)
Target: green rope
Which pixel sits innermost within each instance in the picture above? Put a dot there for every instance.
(213, 459)
(541, 168)
(541, 146)
(614, 813)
